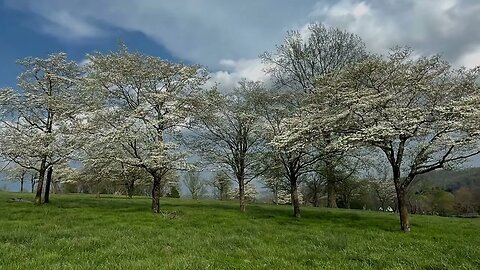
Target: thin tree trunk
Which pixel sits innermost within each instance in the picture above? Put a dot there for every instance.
(403, 210)
(347, 204)
(331, 182)
(48, 182)
(97, 187)
(241, 195)
(32, 182)
(316, 199)
(41, 176)
(294, 196)
(275, 196)
(21, 184)
(156, 192)
(130, 188)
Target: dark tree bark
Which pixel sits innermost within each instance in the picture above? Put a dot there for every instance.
(331, 185)
(240, 175)
(316, 199)
(294, 195)
(41, 176)
(400, 186)
(21, 184)
(130, 188)
(32, 182)
(156, 192)
(403, 210)
(48, 183)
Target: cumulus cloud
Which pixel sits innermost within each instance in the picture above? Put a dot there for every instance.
(199, 31)
(448, 27)
(232, 71)
(219, 34)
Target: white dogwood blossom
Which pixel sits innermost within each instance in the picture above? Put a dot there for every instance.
(143, 100)
(39, 124)
(422, 114)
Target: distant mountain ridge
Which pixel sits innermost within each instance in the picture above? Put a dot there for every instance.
(451, 180)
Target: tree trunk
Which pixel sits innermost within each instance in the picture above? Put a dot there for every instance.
(316, 198)
(41, 175)
(347, 204)
(331, 183)
(130, 188)
(48, 182)
(32, 182)
(403, 210)
(97, 187)
(21, 184)
(275, 196)
(156, 193)
(294, 196)
(382, 203)
(241, 195)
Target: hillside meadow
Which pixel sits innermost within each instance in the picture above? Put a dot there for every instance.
(84, 232)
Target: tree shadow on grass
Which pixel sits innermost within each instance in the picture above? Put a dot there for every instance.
(281, 214)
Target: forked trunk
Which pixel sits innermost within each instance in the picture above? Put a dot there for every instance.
(156, 193)
(48, 183)
(41, 176)
(294, 196)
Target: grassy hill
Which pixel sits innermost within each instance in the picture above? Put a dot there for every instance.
(84, 232)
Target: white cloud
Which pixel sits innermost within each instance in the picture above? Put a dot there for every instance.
(219, 33)
(360, 9)
(199, 31)
(64, 24)
(236, 70)
(429, 26)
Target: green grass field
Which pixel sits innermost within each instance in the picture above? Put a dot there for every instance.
(84, 232)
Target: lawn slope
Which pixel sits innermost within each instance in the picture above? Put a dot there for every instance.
(84, 232)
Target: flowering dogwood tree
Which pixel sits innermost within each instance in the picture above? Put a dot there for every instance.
(419, 112)
(315, 51)
(145, 102)
(39, 125)
(227, 133)
(298, 62)
(16, 173)
(290, 160)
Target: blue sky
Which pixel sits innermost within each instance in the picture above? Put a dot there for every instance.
(21, 37)
(227, 36)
